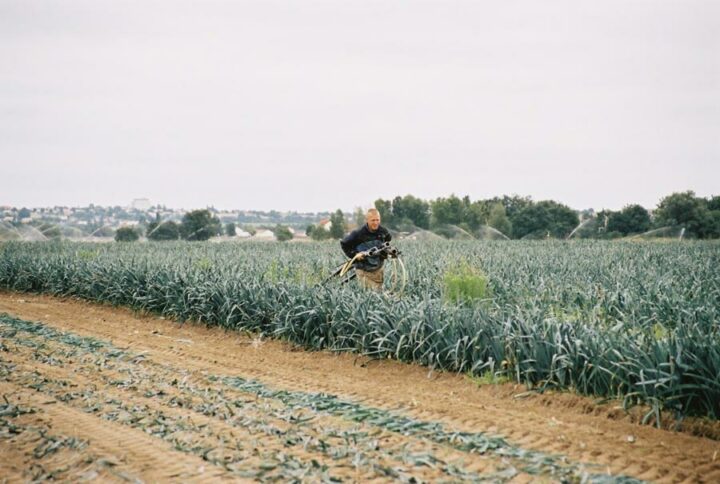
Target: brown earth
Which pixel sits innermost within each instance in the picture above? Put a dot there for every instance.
(158, 414)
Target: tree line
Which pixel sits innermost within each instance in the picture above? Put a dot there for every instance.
(196, 225)
(515, 217)
(518, 217)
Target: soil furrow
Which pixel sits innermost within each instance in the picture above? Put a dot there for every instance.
(70, 375)
(135, 454)
(550, 423)
(405, 433)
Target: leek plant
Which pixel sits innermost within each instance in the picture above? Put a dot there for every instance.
(637, 321)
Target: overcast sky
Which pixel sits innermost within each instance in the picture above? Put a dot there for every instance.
(317, 105)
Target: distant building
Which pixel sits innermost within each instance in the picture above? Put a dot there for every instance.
(141, 204)
(226, 216)
(264, 235)
(325, 224)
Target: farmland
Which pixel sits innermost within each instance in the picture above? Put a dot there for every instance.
(633, 322)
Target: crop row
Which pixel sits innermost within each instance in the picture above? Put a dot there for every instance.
(631, 320)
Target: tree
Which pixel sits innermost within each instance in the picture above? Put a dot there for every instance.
(633, 219)
(714, 203)
(230, 230)
(475, 215)
(513, 204)
(712, 226)
(159, 230)
(319, 233)
(385, 209)
(546, 218)
(126, 234)
(359, 217)
(447, 211)
(200, 225)
(686, 210)
(410, 208)
(498, 219)
(282, 233)
(337, 225)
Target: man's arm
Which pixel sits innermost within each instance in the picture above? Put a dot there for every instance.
(349, 244)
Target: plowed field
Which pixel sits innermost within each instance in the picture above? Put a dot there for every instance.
(93, 392)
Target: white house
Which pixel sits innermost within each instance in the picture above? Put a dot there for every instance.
(325, 224)
(264, 234)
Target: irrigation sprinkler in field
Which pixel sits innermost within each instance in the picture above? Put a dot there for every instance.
(47, 227)
(666, 232)
(10, 229)
(488, 232)
(580, 225)
(54, 230)
(158, 226)
(70, 232)
(32, 234)
(189, 237)
(98, 230)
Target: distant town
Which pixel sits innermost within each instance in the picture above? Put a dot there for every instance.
(679, 215)
(102, 222)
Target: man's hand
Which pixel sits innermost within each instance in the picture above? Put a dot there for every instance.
(360, 255)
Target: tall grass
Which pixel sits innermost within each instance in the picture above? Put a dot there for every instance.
(465, 283)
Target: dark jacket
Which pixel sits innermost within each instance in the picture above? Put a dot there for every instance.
(363, 239)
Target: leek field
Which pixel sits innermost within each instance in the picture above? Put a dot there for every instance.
(639, 321)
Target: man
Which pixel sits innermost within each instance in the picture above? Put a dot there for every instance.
(369, 270)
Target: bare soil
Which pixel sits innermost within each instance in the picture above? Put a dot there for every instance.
(97, 392)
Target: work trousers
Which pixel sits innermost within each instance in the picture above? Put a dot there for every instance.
(370, 280)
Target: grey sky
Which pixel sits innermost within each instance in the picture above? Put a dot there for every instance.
(317, 105)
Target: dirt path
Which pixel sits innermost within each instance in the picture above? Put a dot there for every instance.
(135, 397)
